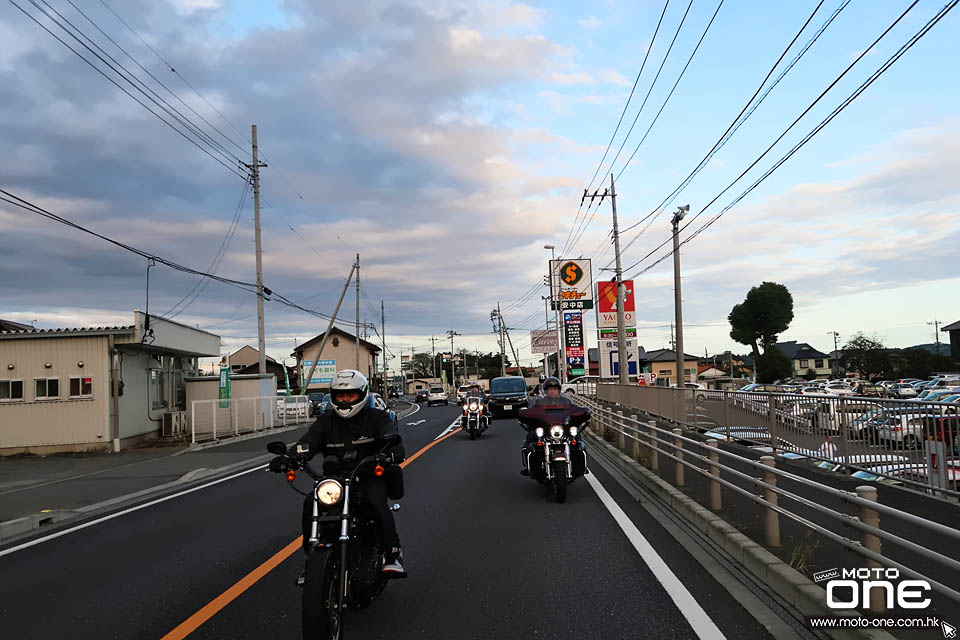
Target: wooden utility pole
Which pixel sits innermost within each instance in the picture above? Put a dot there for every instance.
(255, 173)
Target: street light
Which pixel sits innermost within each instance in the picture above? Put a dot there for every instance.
(677, 217)
(556, 315)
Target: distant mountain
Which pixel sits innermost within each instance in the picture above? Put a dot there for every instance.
(932, 348)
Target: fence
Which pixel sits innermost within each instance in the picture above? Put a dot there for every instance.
(213, 419)
(909, 442)
(760, 493)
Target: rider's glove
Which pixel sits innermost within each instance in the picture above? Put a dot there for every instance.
(279, 464)
(396, 453)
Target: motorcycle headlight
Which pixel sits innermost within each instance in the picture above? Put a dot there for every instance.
(473, 406)
(574, 431)
(539, 432)
(329, 492)
(556, 432)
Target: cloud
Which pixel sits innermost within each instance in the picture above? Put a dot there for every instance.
(590, 23)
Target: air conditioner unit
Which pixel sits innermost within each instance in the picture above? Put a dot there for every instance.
(170, 418)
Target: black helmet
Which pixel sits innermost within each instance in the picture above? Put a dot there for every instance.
(542, 378)
(551, 382)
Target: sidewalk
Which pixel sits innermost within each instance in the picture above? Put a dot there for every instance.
(38, 491)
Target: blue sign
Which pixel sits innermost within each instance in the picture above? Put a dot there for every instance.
(574, 360)
(324, 372)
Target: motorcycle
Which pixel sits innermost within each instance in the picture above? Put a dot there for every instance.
(475, 419)
(557, 457)
(344, 558)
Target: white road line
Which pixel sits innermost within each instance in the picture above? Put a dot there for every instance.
(453, 427)
(702, 625)
(31, 543)
(416, 408)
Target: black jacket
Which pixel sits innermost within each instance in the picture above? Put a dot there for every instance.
(332, 435)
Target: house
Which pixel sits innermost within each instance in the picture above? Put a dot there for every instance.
(807, 362)
(280, 373)
(708, 371)
(339, 353)
(246, 356)
(95, 388)
(663, 362)
(953, 330)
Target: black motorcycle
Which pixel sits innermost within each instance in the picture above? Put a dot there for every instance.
(475, 419)
(344, 557)
(556, 457)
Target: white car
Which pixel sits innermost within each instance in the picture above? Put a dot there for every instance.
(584, 385)
(838, 390)
(437, 395)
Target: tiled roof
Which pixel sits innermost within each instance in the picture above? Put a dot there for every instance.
(951, 327)
(66, 331)
(665, 355)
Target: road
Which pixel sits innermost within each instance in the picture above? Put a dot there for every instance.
(489, 556)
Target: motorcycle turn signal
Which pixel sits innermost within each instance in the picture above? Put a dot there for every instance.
(378, 471)
(291, 475)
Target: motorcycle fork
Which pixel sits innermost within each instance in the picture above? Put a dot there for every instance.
(344, 547)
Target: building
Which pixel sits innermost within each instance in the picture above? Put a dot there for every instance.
(246, 356)
(95, 388)
(663, 362)
(339, 353)
(808, 363)
(953, 330)
(708, 371)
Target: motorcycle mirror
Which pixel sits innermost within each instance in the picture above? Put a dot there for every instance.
(277, 448)
(391, 439)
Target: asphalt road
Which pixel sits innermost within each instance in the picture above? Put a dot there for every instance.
(488, 553)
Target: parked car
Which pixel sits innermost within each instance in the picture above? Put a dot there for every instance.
(906, 429)
(840, 389)
(294, 406)
(749, 436)
(508, 394)
(829, 413)
(584, 385)
(318, 403)
(868, 390)
(945, 428)
(902, 390)
(421, 395)
(887, 473)
(868, 461)
(437, 395)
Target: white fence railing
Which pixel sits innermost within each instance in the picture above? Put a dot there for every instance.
(215, 419)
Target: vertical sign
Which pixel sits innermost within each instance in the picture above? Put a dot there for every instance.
(573, 338)
(224, 387)
(607, 304)
(572, 284)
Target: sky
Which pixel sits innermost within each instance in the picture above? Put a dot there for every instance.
(447, 142)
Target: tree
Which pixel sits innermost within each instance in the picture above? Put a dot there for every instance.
(756, 322)
(919, 363)
(865, 355)
(773, 365)
(422, 365)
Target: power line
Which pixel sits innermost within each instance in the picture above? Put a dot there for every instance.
(843, 105)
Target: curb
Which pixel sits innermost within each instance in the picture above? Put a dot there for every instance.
(247, 436)
(22, 527)
(801, 595)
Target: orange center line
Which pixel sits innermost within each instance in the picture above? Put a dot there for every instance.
(209, 610)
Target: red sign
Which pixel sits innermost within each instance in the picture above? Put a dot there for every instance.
(607, 296)
(574, 352)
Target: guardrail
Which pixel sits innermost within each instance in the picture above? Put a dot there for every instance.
(214, 419)
(937, 560)
(912, 443)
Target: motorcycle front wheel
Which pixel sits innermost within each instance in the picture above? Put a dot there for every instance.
(560, 481)
(319, 608)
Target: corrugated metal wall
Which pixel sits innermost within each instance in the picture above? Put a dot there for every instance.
(33, 422)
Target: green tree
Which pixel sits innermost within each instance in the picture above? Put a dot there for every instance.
(756, 322)
(422, 365)
(866, 356)
(773, 365)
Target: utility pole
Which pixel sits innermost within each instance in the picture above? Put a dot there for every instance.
(453, 359)
(546, 318)
(495, 315)
(621, 327)
(477, 355)
(836, 357)
(433, 354)
(383, 341)
(358, 313)
(677, 300)
(255, 172)
(326, 334)
(561, 361)
(936, 333)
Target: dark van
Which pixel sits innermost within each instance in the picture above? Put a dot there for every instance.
(507, 396)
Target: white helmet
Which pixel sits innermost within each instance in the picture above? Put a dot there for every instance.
(349, 380)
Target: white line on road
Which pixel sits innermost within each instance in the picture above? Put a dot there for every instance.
(702, 625)
(31, 543)
(453, 427)
(412, 424)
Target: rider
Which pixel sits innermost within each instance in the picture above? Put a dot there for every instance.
(354, 424)
(474, 392)
(552, 398)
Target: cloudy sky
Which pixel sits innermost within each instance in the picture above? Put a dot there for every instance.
(448, 141)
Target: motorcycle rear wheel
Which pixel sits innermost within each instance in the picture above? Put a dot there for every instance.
(560, 481)
(321, 617)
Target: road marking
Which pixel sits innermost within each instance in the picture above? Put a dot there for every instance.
(453, 426)
(412, 424)
(194, 622)
(702, 625)
(416, 408)
(31, 543)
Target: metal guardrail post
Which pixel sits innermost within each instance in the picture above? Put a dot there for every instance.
(193, 422)
(621, 438)
(678, 463)
(871, 517)
(844, 434)
(654, 453)
(774, 431)
(715, 499)
(773, 518)
(214, 407)
(726, 413)
(236, 417)
(635, 448)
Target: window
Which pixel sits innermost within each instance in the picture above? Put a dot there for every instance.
(47, 388)
(158, 386)
(818, 363)
(664, 372)
(804, 364)
(11, 390)
(81, 387)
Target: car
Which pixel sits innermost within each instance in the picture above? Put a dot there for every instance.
(508, 394)
(901, 390)
(887, 473)
(437, 395)
(421, 395)
(869, 461)
(318, 402)
(828, 413)
(584, 385)
(749, 436)
(839, 389)
(294, 406)
(377, 402)
(462, 392)
(868, 390)
(907, 429)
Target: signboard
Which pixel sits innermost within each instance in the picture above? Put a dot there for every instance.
(324, 372)
(607, 304)
(543, 341)
(610, 357)
(573, 328)
(611, 334)
(572, 284)
(224, 393)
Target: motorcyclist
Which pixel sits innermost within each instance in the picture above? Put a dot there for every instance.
(551, 397)
(352, 424)
(475, 393)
